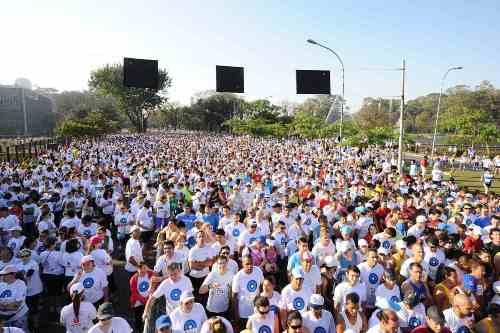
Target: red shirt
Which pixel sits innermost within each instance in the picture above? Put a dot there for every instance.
(472, 244)
(425, 329)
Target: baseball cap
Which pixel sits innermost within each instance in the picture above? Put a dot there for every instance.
(435, 315)
(316, 301)
(105, 311)
(346, 229)
(77, 288)
(186, 296)
(331, 261)
(24, 253)
(163, 322)
(9, 269)
(362, 242)
(86, 259)
(16, 228)
(297, 273)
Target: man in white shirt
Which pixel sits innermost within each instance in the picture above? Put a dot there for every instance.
(318, 319)
(200, 259)
(460, 317)
(371, 275)
(93, 279)
(350, 285)
(133, 251)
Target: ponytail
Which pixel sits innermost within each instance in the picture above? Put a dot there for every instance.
(77, 298)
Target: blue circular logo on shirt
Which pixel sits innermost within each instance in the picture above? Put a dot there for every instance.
(265, 329)
(88, 283)
(283, 241)
(6, 294)
(189, 325)
(394, 299)
(175, 294)
(236, 232)
(86, 233)
(252, 286)
(319, 330)
(463, 329)
(433, 262)
(252, 239)
(414, 322)
(150, 214)
(386, 244)
(274, 309)
(298, 303)
(123, 220)
(143, 286)
(373, 278)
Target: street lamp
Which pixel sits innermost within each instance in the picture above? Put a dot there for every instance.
(439, 107)
(310, 41)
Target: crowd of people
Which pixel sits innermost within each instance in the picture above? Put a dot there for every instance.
(223, 234)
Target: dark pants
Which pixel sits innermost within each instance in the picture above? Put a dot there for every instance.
(138, 311)
(196, 286)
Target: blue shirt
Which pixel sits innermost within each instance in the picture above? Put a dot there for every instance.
(483, 221)
(213, 219)
(188, 219)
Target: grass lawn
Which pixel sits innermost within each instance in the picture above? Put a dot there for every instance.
(472, 179)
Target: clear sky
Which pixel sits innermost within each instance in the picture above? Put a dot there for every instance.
(56, 43)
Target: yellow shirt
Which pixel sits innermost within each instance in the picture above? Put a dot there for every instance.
(398, 261)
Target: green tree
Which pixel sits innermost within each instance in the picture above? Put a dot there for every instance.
(137, 104)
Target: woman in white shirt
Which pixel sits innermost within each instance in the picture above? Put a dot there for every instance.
(71, 260)
(52, 273)
(78, 316)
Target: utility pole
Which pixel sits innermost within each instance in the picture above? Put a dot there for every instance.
(401, 117)
(25, 114)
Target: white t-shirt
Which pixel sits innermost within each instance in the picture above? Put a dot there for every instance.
(33, 283)
(394, 294)
(71, 262)
(376, 329)
(312, 279)
(188, 322)
(247, 288)
(454, 323)
(343, 289)
(117, 325)
(172, 291)
(405, 268)
(133, 249)
(218, 297)
(434, 260)
(262, 325)
(94, 283)
(14, 292)
(51, 262)
(163, 262)
(371, 276)
(293, 299)
(412, 318)
(325, 324)
(12, 330)
(83, 323)
(145, 218)
(200, 254)
(102, 260)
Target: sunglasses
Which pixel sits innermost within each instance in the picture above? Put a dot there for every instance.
(296, 327)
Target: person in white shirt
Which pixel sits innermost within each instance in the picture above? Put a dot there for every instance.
(171, 288)
(200, 258)
(460, 315)
(52, 270)
(78, 316)
(263, 319)
(29, 269)
(13, 298)
(144, 220)
(245, 288)
(133, 251)
(189, 316)
(294, 296)
(317, 319)
(93, 279)
(351, 318)
(371, 275)
(109, 323)
(350, 285)
(388, 323)
(170, 256)
(311, 272)
(218, 286)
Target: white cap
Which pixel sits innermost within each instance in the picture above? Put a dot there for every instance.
(16, 228)
(421, 219)
(86, 259)
(76, 288)
(476, 230)
(400, 244)
(362, 242)
(317, 300)
(331, 261)
(297, 273)
(186, 295)
(9, 269)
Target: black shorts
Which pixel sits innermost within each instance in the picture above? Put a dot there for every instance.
(53, 284)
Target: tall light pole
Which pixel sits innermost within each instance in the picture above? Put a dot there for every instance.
(401, 124)
(439, 107)
(310, 41)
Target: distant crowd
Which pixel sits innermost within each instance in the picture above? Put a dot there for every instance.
(223, 234)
